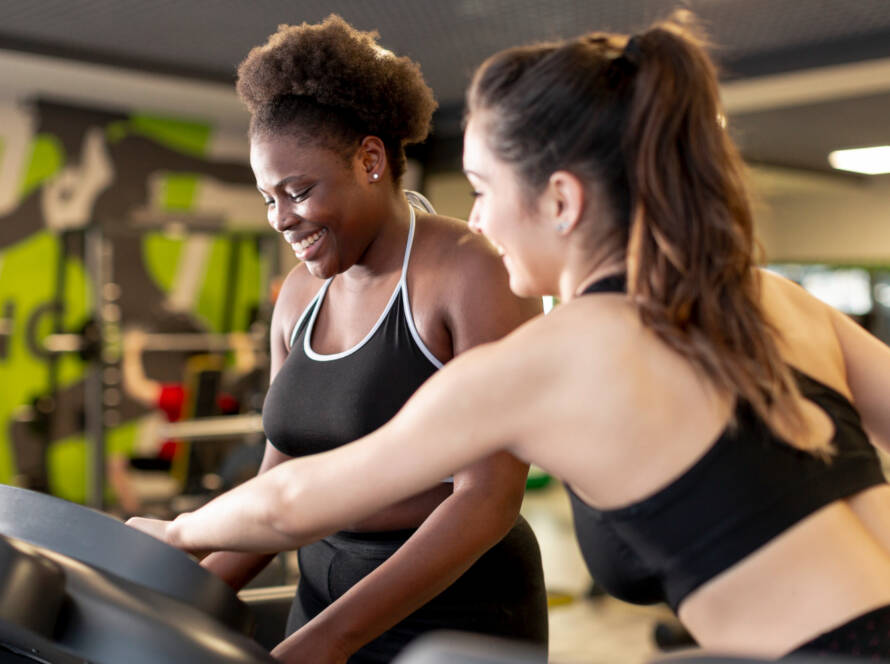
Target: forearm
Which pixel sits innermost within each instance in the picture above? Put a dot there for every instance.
(301, 500)
(449, 541)
(236, 569)
(247, 519)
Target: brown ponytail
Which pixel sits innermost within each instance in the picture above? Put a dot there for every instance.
(641, 117)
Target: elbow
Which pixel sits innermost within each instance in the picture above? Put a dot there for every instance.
(508, 513)
(283, 513)
(290, 511)
(495, 512)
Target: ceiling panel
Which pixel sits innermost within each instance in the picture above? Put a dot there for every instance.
(208, 38)
(802, 136)
(449, 38)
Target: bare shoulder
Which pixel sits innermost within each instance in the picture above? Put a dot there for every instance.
(460, 289)
(807, 330)
(777, 290)
(580, 374)
(455, 263)
(804, 322)
(604, 328)
(448, 243)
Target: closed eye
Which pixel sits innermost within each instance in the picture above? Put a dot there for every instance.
(300, 197)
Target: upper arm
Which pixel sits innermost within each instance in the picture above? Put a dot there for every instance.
(867, 364)
(498, 481)
(488, 310)
(284, 317)
(294, 296)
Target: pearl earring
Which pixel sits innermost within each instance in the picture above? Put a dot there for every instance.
(374, 176)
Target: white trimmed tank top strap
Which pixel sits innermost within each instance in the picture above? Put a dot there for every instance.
(400, 286)
(309, 308)
(403, 282)
(420, 201)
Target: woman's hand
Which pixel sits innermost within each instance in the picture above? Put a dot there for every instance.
(164, 531)
(311, 645)
(157, 528)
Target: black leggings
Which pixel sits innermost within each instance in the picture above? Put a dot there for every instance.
(502, 594)
(867, 636)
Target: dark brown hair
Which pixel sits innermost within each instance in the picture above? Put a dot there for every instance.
(640, 119)
(333, 84)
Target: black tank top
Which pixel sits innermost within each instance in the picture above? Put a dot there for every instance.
(319, 402)
(746, 489)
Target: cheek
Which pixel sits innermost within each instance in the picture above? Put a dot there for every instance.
(501, 219)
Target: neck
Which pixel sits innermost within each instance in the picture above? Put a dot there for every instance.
(579, 274)
(386, 249)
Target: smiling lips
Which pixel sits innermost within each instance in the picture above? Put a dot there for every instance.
(301, 247)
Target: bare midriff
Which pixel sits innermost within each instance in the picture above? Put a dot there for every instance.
(822, 572)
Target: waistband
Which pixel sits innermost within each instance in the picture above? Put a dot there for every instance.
(391, 540)
(385, 540)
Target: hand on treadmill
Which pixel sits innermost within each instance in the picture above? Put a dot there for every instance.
(155, 527)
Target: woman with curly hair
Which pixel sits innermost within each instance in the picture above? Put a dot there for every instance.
(385, 294)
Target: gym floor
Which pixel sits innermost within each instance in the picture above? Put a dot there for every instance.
(603, 631)
(584, 629)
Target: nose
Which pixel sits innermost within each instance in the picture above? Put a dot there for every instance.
(279, 217)
(474, 221)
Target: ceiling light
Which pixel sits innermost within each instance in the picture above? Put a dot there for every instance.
(870, 161)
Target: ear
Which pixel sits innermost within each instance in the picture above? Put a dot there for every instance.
(372, 157)
(564, 199)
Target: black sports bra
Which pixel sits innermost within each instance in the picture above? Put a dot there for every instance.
(746, 489)
(319, 402)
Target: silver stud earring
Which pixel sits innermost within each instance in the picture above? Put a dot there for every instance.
(562, 227)
(374, 176)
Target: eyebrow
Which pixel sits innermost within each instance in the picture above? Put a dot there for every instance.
(282, 182)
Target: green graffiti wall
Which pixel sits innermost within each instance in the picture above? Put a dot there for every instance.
(79, 168)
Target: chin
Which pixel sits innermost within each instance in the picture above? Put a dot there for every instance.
(319, 270)
(524, 287)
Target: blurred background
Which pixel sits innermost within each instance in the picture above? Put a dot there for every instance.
(135, 256)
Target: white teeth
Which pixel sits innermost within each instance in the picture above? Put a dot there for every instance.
(312, 239)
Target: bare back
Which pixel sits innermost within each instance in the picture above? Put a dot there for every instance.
(646, 417)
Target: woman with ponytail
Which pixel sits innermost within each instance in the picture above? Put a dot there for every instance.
(713, 422)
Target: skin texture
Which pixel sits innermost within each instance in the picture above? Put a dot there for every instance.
(460, 299)
(588, 393)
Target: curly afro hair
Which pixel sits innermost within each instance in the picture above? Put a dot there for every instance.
(331, 83)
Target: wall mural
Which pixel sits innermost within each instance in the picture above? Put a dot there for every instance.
(64, 169)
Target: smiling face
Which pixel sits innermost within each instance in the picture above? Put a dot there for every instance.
(502, 214)
(314, 199)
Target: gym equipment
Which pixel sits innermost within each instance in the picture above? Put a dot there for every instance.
(270, 607)
(86, 342)
(213, 427)
(450, 647)
(796, 659)
(21, 568)
(98, 341)
(6, 328)
(453, 647)
(670, 634)
(104, 543)
(89, 615)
